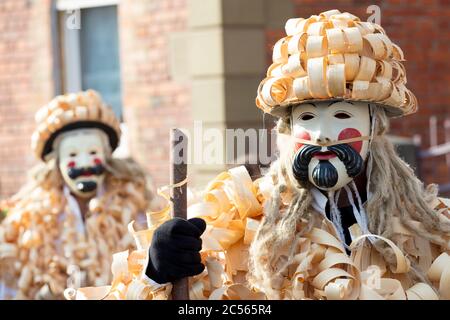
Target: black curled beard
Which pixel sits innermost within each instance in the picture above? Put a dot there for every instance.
(325, 175)
(86, 186)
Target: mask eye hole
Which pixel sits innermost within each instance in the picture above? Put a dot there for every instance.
(306, 116)
(342, 115)
(73, 154)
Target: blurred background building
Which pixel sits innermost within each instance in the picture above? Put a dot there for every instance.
(166, 63)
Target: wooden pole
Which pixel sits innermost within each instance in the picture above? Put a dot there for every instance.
(180, 290)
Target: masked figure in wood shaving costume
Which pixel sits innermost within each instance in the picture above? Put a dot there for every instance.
(338, 216)
(64, 225)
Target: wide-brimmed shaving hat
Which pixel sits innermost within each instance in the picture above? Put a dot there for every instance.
(335, 56)
(70, 112)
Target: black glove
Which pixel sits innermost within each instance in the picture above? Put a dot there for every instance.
(174, 252)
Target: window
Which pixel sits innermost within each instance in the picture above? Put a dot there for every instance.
(89, 49)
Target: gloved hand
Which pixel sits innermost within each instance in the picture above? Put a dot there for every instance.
(174, 252)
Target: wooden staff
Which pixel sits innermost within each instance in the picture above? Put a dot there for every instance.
(180, 290)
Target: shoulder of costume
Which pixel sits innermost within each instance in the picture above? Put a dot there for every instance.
(440, 205)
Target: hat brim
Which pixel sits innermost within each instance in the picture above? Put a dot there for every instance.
(110, 132)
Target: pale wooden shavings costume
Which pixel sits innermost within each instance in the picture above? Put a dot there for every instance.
(332, 56)
(45, 246)
(233, 208)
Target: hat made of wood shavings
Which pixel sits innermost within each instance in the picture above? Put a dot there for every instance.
(335, 56)
(69, 112)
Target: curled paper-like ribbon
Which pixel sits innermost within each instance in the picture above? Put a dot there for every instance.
(403, 264)
(230, 199)
(439, 272)
(143, 238)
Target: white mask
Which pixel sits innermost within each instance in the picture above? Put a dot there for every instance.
(81, 155)
(331, 142)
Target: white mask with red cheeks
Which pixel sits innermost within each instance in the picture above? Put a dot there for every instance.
(331, 142)
(82, 155)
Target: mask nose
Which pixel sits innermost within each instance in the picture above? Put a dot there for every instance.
(84, 161)
(322, 138)
(324, 133)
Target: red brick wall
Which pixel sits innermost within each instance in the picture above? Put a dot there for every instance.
(422, 30)
(25, 83)
(153, 102)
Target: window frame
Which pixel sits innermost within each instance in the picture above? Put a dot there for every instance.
(66, 44)
(65, 5)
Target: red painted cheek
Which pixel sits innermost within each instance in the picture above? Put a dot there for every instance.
(349, 133)
(71, 164)
(301, 135)
(97, 161)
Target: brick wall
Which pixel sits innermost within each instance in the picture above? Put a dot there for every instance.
(422, 30)
(153, 102)
(25, 83)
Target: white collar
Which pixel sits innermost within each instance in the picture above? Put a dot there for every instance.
(74, 209)
(319, 204)
(319, 200)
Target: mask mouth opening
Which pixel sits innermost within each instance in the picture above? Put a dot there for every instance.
(324, 155)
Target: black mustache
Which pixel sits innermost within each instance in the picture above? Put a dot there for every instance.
(325, 174)
(97, 170)
(302, 160)
(350, 158)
